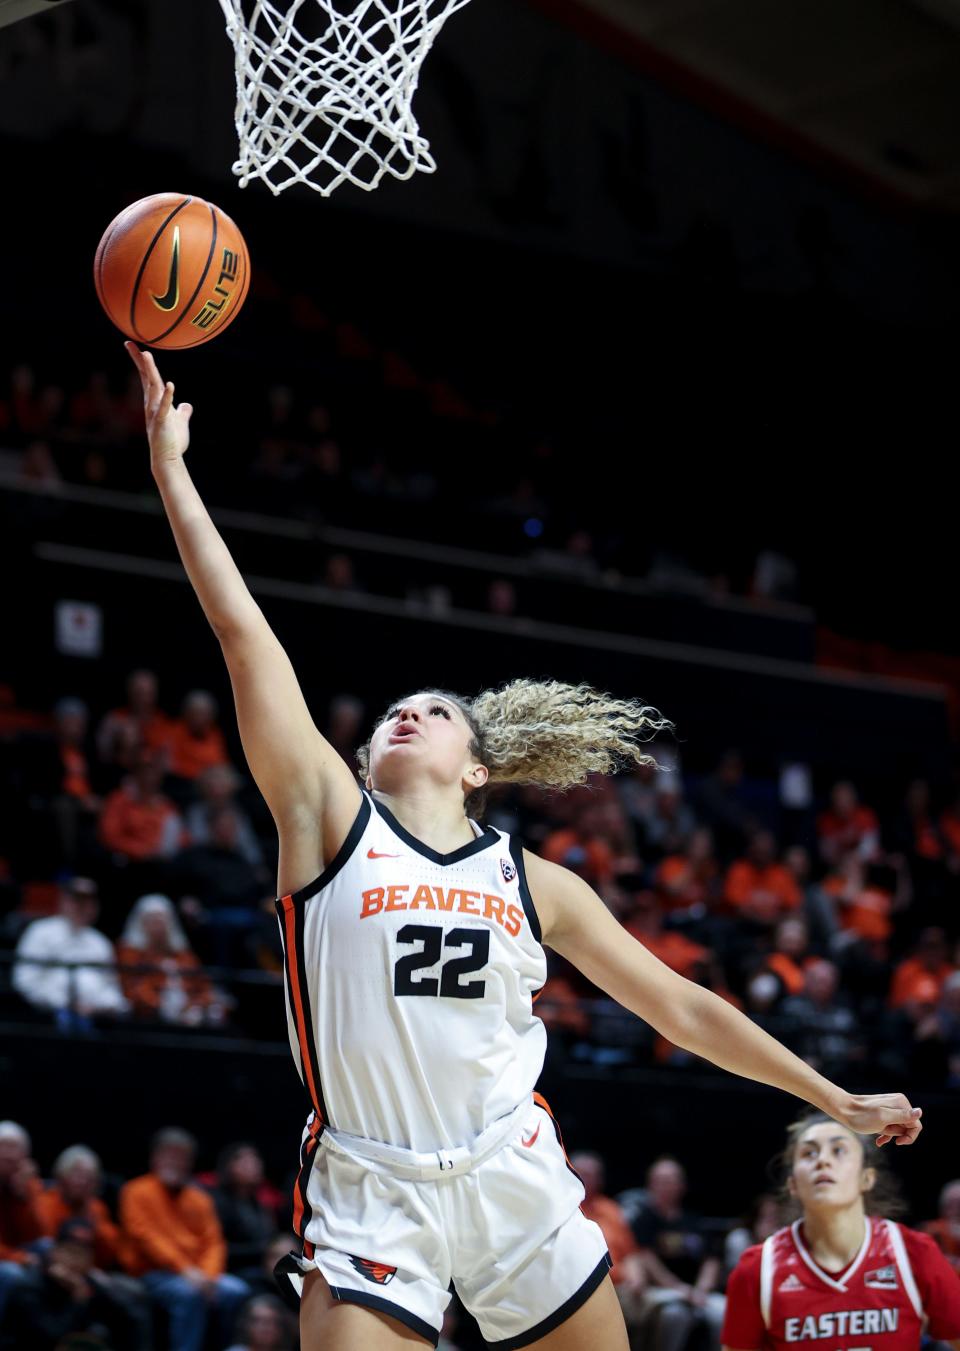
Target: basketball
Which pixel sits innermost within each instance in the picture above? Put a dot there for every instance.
(172, 271)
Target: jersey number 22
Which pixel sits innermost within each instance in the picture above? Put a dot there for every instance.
(432, 940)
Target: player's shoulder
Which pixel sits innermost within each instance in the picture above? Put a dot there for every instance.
(750, 1259)
(920, 1247)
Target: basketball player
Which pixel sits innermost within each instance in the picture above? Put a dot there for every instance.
(413, 945)
(842, 1275)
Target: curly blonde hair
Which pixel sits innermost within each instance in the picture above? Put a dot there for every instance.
(550, 734)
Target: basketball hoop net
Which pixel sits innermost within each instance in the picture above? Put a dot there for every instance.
(325, 89)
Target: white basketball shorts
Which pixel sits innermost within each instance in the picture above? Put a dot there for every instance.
(508, 1236)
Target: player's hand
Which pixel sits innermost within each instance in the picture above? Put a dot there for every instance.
(888, 1116)
(168, 428)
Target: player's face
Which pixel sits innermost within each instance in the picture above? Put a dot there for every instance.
(423, 734)
(828, 1168)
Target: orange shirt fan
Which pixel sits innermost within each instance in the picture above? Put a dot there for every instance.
(172, 271)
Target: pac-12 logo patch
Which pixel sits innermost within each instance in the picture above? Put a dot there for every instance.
(884, 1278)
(374, 1271)
(508, 869)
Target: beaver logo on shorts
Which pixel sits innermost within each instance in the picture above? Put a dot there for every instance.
(508, 870)
(374, 1271)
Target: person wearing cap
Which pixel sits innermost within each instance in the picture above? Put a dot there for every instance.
(67, 967)
(67, 1295)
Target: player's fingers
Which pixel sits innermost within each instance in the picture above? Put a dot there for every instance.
(187, 410)
(883, 1140)
(153, 375)
(136, 356)
(166, 403)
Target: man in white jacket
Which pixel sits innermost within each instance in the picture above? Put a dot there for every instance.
(84, 986)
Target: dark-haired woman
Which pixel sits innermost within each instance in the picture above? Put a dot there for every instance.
(843, 1276)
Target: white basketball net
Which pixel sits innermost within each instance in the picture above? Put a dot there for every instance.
(334, 106)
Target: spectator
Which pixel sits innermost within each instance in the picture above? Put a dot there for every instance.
(721, 804)
(21, 1223)
(936, 1035)
(174, 988)
(57, 777)
(82, 983)
(671, 823)
(344, 728)
(217, 787)
(685, 881)
(196, 742)
(791, 955)
(764, 1218)
(818, 908)
(264, 1281)
(645, 923)
(919, 979)
(945, 1229)
(339, 574)
(864, 902)
(584, 845)
(758, 887)
(819, 1024)
(246, 1207)
(917, 831)
(501, 598)
(847, 827)
(605, 1212)
(75, 1196)
(139, 822)
(140, 716)
(68, 1295)
(265, 1324)
(175, 1244)
(221, 891)
(681, 1272)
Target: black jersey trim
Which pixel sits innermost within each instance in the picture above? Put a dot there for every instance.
(308, 1157)
(283, 1274)
(529, 909)
(387, 1306)
(342, 856)
(566, 1310)
(476, 846)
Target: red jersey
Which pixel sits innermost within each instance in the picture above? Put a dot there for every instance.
(898, 1285)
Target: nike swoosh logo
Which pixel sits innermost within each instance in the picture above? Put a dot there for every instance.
(172, 299)
(371, 853)
(528, 1144)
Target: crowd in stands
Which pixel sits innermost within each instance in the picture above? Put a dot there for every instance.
(184, 1259)
(352, 462)
(139, 876)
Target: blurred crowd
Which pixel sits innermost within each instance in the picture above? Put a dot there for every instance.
(138, 879)
(184, 1259)
(374, 454)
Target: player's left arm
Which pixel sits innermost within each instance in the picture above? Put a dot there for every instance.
(576, 924)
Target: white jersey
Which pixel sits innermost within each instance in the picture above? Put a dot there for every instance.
(410, 977)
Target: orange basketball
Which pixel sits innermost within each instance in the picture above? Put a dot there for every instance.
(172, 271)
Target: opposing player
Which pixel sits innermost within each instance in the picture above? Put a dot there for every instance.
(843, 1275)
(413, 943)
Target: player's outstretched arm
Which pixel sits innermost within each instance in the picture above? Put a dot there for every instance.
(304, 781)
(577, 924)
